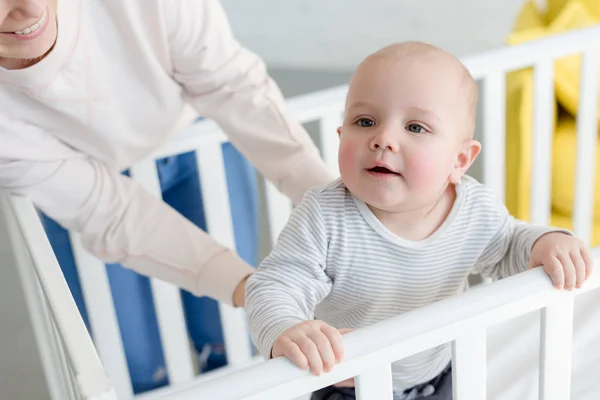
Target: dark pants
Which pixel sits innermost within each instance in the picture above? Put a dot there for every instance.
(439, 388)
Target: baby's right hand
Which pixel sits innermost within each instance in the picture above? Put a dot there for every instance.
(311, 344)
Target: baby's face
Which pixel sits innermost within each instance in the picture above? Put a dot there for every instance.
(405, 123)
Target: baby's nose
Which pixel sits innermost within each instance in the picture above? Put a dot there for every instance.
(385, 141)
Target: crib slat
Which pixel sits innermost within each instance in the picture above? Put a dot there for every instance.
(220, 226)
(494, 131)
(543, 103)
(167, 299)
(555, 349)
(375, 384)
(587, 128)
(103, 319)
(63, 358)
(42, 322)
(71, 345)
(330, 140)
(469, 366)
(278, 210)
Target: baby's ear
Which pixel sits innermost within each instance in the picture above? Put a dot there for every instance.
(464, 159)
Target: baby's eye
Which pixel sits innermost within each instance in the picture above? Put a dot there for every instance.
(416, 128)
(365, 122)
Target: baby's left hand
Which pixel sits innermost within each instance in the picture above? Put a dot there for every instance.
(565, 259)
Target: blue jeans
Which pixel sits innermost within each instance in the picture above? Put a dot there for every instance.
(131, 292)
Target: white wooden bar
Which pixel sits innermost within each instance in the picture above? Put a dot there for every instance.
(526, 54)
(167, 391)
(74, 389)
(494, 131)
(167, 299)
(328, 125)
(375, 384)
(220, 226)
(39, 314)
(469, 363)
(587, 131)
(314, 106)
(555, 349)
(279, 208)
(193, 136)
(543, 103)
(75, 346)
(396, 338)
(102, 316)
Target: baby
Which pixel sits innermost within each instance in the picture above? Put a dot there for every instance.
(402, 228)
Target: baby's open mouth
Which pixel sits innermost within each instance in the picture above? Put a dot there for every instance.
(382, 170)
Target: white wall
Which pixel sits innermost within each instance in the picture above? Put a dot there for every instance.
(337, 34)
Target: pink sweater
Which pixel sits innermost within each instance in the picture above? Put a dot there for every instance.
(113, 89)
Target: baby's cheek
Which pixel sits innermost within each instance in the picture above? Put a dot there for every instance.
(347, 158)
(425, 171)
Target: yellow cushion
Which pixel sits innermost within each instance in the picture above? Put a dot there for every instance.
(529, 25)
(554, 7)
(594, 7)
(575, 15)
(529, 17)
(563, 169)
(519, 96)
(519, 117)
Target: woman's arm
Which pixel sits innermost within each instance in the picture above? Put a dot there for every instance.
(118, 219)
(229, 84)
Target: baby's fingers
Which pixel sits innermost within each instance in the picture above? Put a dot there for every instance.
(310, 350)
(580, 270)
(295, 355)
(568, 271)
(554, 269)
(335, 339)
(325, 350)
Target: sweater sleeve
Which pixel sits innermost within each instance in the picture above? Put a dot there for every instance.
(508, 251)
(119, 221)
(229, 84)
(292, 280)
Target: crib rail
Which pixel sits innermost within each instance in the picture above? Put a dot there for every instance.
(461, 320)
(71, 364)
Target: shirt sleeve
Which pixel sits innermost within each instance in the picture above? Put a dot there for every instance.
(119, 221)
(229, 84)
(508, 251)
(292, 280)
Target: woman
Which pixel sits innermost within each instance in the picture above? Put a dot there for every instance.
(87, 89)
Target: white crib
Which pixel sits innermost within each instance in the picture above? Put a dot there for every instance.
(494, 328)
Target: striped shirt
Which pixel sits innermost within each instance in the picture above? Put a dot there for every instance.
(336, 262)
